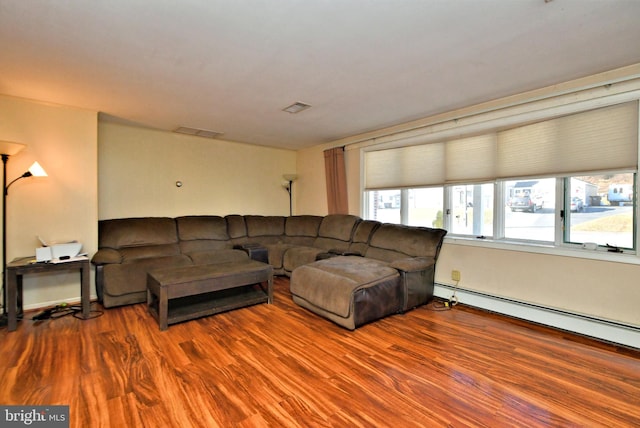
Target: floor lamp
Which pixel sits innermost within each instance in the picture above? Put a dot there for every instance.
(7, 149)
(289, 187)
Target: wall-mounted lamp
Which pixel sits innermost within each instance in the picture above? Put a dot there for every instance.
(7, 149)
(288, 186)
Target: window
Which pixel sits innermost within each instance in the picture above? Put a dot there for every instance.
(425, 207)
(595, 211)
(530, 209)
(384, 206)
(521, 183)
(472, 210)
(599, 209)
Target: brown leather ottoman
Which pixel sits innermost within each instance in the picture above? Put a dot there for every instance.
(348, 290)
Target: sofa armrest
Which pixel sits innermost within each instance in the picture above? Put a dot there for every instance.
(106, 256)
(412, 264)
(417, 276)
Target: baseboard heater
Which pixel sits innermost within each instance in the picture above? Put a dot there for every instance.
(605, 330)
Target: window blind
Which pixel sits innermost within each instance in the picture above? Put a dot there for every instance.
(471, 159)
(601, 139)
(412, 166)
(595, 140)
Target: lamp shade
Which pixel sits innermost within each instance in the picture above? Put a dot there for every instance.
(10, 148)
(290, 177)
(37, 171)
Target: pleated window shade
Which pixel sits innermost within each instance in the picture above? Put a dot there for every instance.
(596, 140)
(601, 139)
(412, 166)
(471, 159)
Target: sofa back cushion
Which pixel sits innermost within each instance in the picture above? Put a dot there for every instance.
(338, 226)
(198, 233)
(362, 236)
(336, 231)
(302, 229)
(130, 254)
(136, 232)
(267, 229)
(236, 226)
(391, 242)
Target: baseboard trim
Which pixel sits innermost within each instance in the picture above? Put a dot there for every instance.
(606, 330)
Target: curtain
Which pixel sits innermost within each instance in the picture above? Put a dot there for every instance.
(336, 176)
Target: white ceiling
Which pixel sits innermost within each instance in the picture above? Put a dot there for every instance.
(231, 66)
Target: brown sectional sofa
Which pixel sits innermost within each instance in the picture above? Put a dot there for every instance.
(128, 248)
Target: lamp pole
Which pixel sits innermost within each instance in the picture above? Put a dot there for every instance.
(4, 319)
(290, 190)
(35, 170)
(290, 179)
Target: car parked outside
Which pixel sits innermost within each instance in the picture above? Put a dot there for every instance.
(576, 204)
(525, 203)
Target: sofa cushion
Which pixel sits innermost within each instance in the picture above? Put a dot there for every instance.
(303, 225)
(130, 232)
(200, 233)
(217, 256)
(105, 256)
(390, 242)
(335, 232)
(127, 278)
(202, 227)
(298, 256)
(236, 226)
(362, 236)
(276, 254)
(264, 230)
(259, 226)
(148, 251)
(301, 230)
(338, 226)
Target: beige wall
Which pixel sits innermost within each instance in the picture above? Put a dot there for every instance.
(601, 289)
(311, 196)
(62, 206)
(310, 190)
(138, 170)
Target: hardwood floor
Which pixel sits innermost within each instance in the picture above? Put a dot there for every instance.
(280, 365)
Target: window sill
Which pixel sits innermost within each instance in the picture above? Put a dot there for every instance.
(529, 247)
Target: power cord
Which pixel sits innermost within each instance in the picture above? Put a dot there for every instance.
(63, 310)
(445, 305)
(437, 305)
(453, 300)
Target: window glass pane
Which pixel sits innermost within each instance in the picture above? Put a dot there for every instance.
(425, 207)
(599, 209)
(384, 206)
(472, 209)
(530, 209)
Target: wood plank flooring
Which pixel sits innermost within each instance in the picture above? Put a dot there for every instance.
(280, 365)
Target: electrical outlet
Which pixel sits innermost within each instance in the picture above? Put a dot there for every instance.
(455, 275)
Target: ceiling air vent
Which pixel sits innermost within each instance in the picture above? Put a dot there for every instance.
(296, 107)
(197, 132)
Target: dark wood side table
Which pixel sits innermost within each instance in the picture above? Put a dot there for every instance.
(25, 265)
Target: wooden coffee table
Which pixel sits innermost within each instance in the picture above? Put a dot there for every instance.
(188, 292)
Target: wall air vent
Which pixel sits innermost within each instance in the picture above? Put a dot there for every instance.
(296, 107)
(197, 132)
